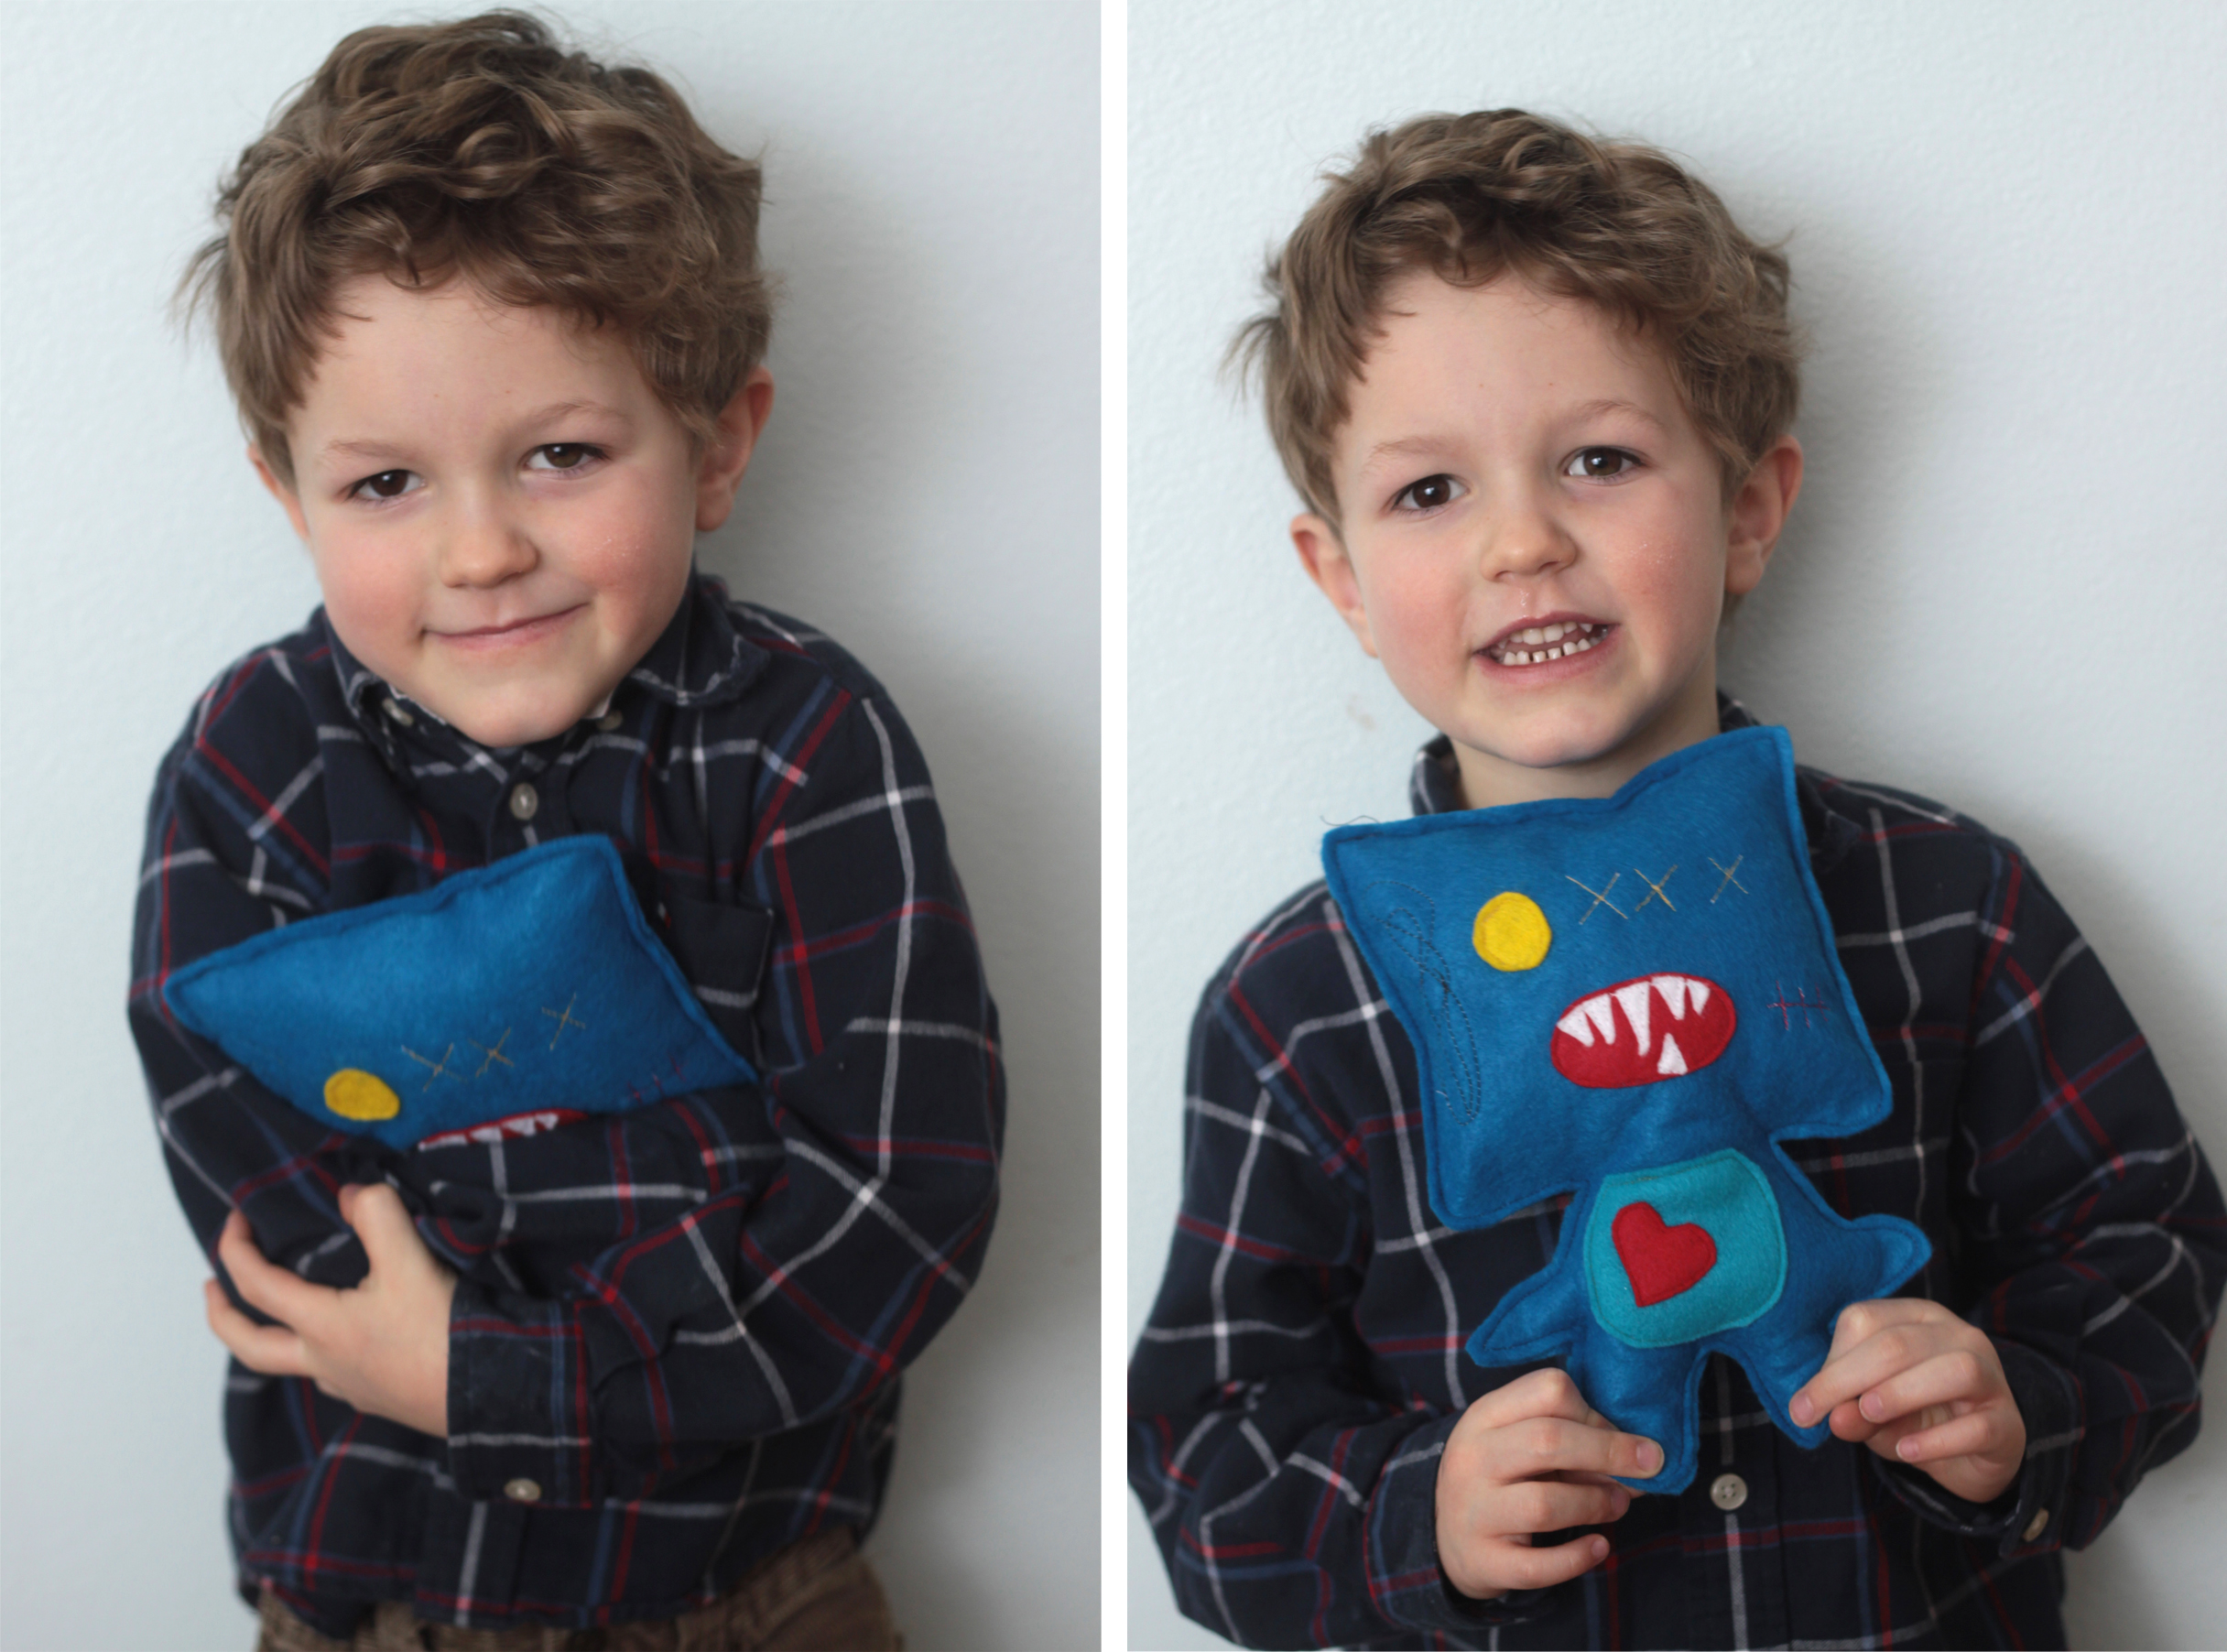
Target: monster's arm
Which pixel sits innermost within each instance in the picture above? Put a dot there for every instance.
(2094, 1249)
(1292, 1500)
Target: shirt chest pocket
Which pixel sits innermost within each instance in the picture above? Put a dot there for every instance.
(723, 951)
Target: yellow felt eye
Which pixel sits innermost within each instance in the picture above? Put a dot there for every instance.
(354, 1094)
(1511, 932)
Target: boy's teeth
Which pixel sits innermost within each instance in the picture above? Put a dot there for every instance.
(1543, 643)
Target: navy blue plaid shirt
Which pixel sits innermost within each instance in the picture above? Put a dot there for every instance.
(677, 1333)
(1303, 1365)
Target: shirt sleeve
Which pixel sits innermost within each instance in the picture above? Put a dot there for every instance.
(1294, 1504)
(2092, 1227)
(797, 1290)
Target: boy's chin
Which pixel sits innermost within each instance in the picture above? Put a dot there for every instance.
(501, 726)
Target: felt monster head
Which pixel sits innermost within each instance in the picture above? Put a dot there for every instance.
(498, 1003)
(1635, 1000)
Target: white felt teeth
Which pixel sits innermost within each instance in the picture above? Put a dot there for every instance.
(1700, 989)
(1673, 989)
(1674, 1059)
(1635, 999)
(1576, 1026)
(1602, 1016)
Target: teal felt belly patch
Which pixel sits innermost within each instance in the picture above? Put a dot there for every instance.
(499, 1001)
(1636, 1000)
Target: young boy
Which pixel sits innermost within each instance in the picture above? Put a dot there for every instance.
(493, 316)
(1536, 392)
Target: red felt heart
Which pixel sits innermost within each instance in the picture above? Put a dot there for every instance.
(1660, 1260)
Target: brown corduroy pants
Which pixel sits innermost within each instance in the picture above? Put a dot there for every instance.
(817, 1595)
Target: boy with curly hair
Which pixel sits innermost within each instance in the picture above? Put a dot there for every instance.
(1535, 393)
(494, 320)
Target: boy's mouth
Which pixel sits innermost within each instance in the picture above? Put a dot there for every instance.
(1555, 639)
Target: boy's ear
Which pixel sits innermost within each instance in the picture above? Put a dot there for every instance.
(724, 460)
(286, 497)
(1331, 567)
(1758, 515)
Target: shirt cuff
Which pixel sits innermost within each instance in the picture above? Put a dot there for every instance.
(2032, 1514)
(517, 1417)
(1410, 1585)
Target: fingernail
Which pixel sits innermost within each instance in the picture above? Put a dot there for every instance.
(1872, 1407)
(1906, 1450)
(1600, 1548)
(1650, 1456)
(1803, 1409)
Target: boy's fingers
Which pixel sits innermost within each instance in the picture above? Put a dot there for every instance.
(1546, 1445)
(381, 1222)
(1536, 1506)
(1850, 1372)
(1528, 1568)
(1545, 1393)
(1959, 1374)
(1974, 1434)
(272, 1350)
(262, 1285)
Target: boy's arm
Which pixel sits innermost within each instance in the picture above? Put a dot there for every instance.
(826, 1250)
(1293, 1502)
(2091, 1225)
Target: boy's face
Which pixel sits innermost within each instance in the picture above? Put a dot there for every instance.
(1518, 477)
(501, 512)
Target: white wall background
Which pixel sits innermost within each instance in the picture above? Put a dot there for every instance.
(1999, 586)
(926, 491)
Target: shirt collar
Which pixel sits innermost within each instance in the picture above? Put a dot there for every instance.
(1434, 786)
(699, 659)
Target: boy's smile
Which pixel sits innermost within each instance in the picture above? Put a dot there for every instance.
(501, 511)
(1535, 540)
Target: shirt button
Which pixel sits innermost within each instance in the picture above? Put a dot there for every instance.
(1728, 1492)
(523, 801)
(523, 1490)
(609, 721)
(392, 708)
(2036, 1525)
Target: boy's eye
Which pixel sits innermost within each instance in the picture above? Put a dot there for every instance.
(1599, 464)
(1429, 494)
(561, 456)
(387, 484)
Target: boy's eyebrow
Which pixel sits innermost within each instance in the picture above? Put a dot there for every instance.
(1427, 446)
(375, 449)
(1609, 404)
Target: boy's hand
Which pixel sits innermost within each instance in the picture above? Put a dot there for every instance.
(382, 1346)
(1531, 1457)
(1922, 1386)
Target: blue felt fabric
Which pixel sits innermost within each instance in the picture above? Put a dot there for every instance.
(1681, 911)
(531, 984)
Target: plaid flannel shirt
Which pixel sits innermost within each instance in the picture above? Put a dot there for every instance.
(1303, 1366)
(677, 1332)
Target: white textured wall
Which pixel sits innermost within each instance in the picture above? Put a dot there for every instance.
(2001, 583)
(927, 491)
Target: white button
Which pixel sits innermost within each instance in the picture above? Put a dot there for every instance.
(523, 801)
(1728, 1492)
(609, 721)
(2036, 1525)
(523, 1490)
(392, 708)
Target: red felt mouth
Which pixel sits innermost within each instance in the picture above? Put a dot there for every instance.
(505, 1129)
(1643, 1031)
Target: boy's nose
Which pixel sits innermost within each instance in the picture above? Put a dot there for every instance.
(485, 548)
(1521, 543)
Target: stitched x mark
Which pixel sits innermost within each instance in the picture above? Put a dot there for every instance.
(1600, 895)
(438, 1067)
(564, 1019)
(1727, 878)
(494, 1054)
(1655, 889)
(1801, 1001)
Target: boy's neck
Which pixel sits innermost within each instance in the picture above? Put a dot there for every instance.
(1488, 781)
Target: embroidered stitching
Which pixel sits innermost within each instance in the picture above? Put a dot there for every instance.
(1727, 878)
(564, 1019)
(438, 1067)
(494, 1055)
(1600, 895)
(1801, 1001)
(1655, 889)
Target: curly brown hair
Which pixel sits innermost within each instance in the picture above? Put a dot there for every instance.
(1472, 197)
(485, 150)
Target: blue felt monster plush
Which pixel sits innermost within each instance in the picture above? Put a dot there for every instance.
(1637, 1000)
(501, 1001)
